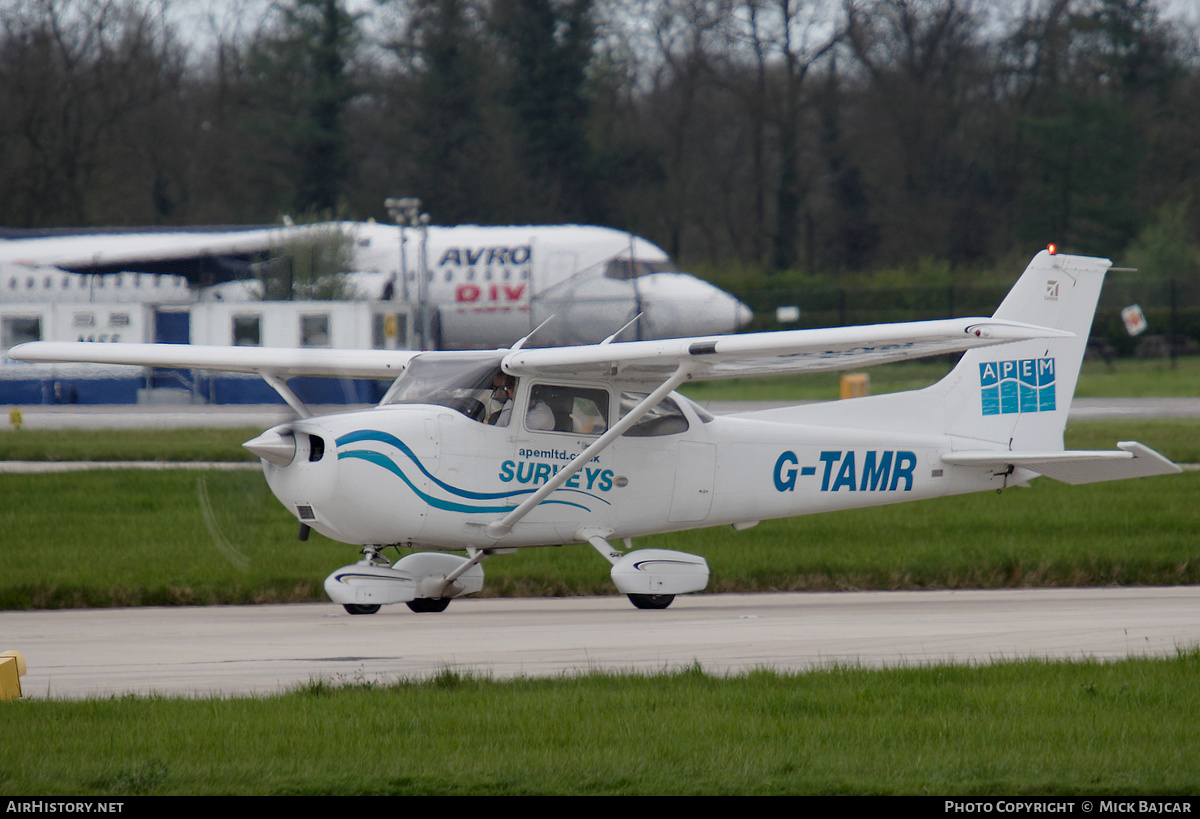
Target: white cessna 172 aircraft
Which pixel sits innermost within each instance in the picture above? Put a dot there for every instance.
(488, 452)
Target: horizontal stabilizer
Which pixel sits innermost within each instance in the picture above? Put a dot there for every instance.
(1129, 460)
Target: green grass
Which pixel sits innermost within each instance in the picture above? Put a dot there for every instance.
(126, 444)
(153, 538)
(1129, 378)
(1177, 438)
(1029, 727)
(174, 537)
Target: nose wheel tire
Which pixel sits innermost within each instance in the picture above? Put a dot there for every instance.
(651, 601)
(422, 604)
(354, 608)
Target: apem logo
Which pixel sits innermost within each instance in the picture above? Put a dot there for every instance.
(1017, 386)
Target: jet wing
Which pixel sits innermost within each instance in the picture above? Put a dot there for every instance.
(1129, 460)
(789, 351)
(282, 362)
(112, 249)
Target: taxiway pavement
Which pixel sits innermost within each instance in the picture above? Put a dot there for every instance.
(241, 650)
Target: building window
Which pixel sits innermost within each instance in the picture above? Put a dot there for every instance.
(247, 331)
(390, 331)
(16, 330)
(314, 330)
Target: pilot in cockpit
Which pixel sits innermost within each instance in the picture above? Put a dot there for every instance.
(504, 387)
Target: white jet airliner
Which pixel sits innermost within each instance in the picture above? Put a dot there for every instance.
(481, 287)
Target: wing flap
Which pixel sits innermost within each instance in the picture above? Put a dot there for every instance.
(1129, 460)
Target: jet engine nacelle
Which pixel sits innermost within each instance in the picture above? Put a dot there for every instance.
(420, 575)
(660, 572)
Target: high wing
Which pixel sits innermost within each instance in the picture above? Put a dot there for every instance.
(663, 364)
(274, 364)
(284, 362)
(709, 357)
(777, 353)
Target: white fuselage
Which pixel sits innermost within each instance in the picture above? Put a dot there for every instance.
(432, 477)
(494, 285)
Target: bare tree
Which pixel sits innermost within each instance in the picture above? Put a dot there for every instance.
(74, 78)
(780, 42)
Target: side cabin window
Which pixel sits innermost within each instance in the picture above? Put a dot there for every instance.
(663, 419)
(580, 410)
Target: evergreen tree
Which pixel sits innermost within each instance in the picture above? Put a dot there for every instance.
(548, 46)
(459, 168)
(304, 84)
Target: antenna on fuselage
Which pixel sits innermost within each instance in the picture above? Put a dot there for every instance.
(521, 343)
(628, 324)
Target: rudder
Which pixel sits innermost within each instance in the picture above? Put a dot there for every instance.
(1018, 395)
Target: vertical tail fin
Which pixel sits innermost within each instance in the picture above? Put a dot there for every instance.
(1018, 395)
(1010, 396)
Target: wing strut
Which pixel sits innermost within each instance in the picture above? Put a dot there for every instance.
(503, 527)
(285, 392)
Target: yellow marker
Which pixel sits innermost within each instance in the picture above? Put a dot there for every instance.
(12, 669)
(855, 385)
(14, 417)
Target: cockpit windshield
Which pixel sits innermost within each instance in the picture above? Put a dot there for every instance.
(633, 268)
(460, 382)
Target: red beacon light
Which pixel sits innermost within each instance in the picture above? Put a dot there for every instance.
(1051, 248)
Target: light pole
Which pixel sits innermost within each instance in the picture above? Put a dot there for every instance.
(406, 212)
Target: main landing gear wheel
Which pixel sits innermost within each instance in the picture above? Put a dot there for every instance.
(651, 601)
(422, 604)
(355, 608)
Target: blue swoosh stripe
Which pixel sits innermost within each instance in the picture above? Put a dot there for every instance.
(392, 440)
(379, 459)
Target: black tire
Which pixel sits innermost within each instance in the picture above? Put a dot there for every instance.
(355, 608)
(651, 601)
(423, 604)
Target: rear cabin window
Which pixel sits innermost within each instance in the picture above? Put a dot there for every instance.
(663, 419)
(554, 408)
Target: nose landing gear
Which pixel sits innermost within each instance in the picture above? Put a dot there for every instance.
(425, 581)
